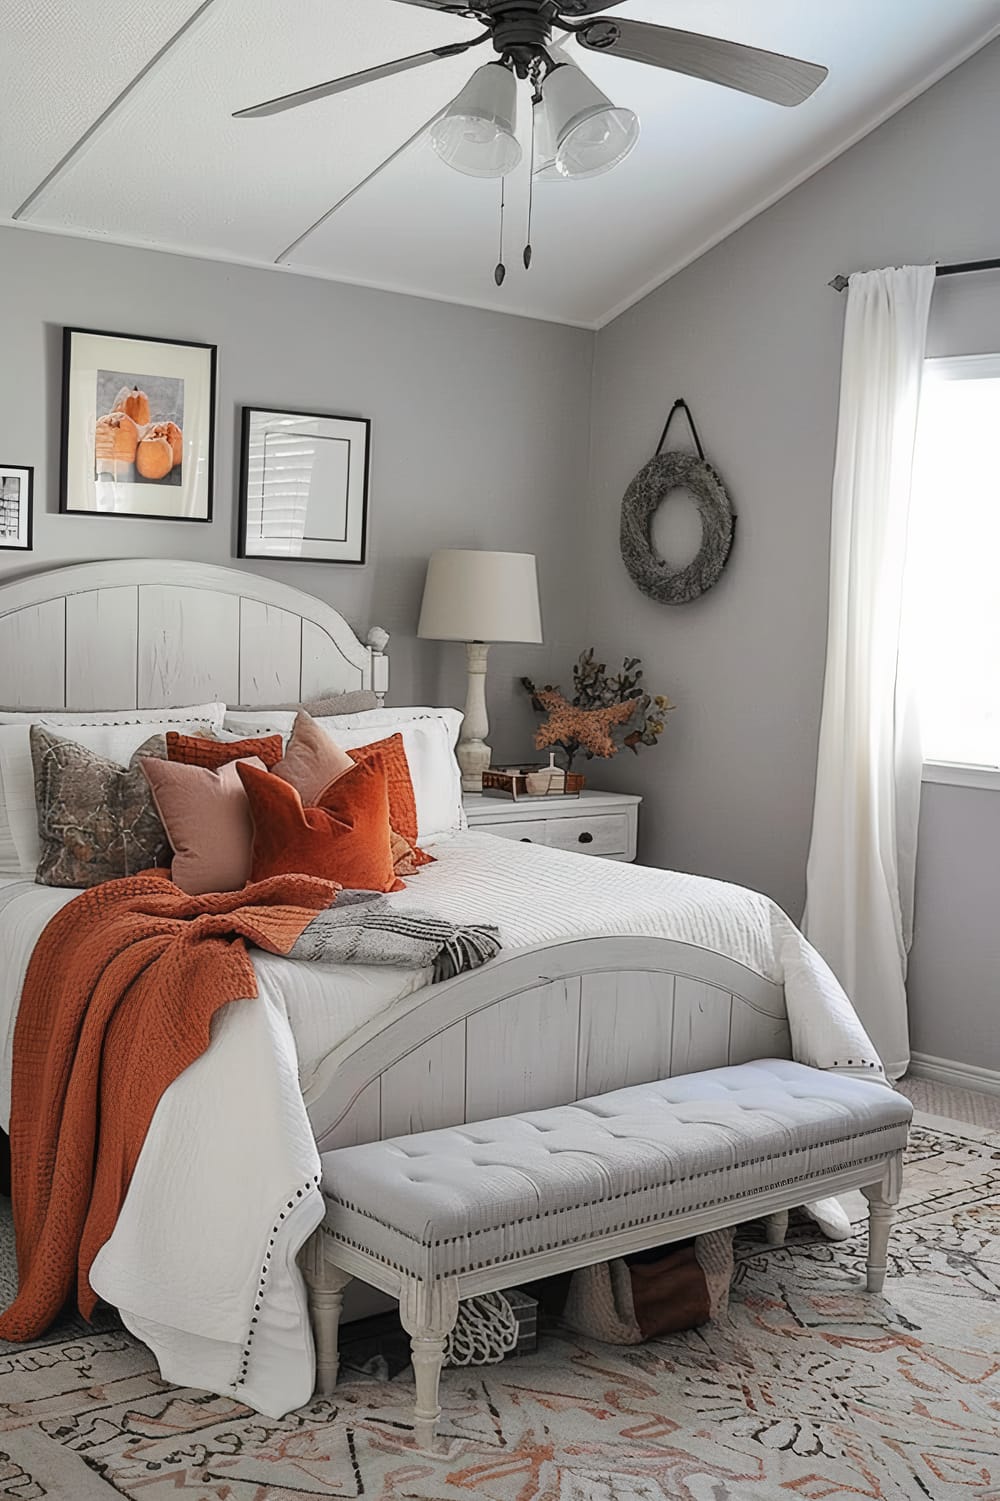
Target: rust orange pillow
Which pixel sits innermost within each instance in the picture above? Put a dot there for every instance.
(406, 857)
(198, 750)
(402, 803)
(346, 839)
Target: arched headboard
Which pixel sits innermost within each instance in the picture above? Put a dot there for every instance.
(149, 633)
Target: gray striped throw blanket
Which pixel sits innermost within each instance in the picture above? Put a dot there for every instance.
(362, 927)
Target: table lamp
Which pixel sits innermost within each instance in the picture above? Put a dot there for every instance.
(479, 597)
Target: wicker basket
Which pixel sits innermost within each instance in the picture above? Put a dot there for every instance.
(512, 782)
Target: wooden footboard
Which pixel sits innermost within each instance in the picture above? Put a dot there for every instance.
(543, 1027)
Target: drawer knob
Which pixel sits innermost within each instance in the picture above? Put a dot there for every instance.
(586, 838)
(525, 839)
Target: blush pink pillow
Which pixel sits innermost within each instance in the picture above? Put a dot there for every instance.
(311, 760)
(207, 819)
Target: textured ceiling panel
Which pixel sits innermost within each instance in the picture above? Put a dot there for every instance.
(64, 63)
(172, 168)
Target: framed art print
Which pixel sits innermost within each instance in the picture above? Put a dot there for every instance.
(303, 486)
(138, 426)
(16, 486)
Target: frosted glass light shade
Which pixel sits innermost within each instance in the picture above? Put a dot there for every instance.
(475, 135)
(544, 164)
(589, 134)
(481, 596)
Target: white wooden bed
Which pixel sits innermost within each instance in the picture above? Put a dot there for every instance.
(536, 1027)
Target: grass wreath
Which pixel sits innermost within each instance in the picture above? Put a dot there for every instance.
(652, 574)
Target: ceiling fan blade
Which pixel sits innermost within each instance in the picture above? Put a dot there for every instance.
(459, 10)
(586, 7)
(352, 81)
(767, 75)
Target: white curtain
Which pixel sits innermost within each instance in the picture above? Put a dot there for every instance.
(859, 903)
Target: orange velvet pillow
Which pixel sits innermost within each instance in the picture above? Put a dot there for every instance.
(198, 750)
(346, 839)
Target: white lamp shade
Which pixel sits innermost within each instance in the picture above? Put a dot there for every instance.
(476, 133)
(584, 131)
(480, 596)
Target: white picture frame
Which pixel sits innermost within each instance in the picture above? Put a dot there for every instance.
(303, 486)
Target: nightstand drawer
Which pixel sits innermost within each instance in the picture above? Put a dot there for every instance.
(529, 831)
(595, 823)
(602, 834)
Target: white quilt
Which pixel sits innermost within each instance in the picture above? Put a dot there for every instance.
(202, 1260)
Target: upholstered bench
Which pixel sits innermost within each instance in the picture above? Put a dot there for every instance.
(446, 1214)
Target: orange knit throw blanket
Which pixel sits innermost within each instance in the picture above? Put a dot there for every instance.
(117, 1002)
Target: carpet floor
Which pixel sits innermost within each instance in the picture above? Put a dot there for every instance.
(968, 1105)
(810, 1390)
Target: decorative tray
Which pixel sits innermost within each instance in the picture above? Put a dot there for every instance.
(512, 782)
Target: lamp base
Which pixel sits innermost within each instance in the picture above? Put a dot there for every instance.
(473, 759)
(472, 752)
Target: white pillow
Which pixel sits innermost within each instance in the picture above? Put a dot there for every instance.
(115, 735)
(211, 714)
(429, 739)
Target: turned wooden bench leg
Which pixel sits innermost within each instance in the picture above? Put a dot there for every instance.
(427, 1311)
(326, 1284)
(776, 1227)
(882, 1199)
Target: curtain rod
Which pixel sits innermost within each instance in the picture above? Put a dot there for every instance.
(960, 268)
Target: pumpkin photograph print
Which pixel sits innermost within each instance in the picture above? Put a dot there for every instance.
(141, 434)
(138, 426)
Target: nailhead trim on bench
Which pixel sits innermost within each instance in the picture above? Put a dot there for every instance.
(591, 1203)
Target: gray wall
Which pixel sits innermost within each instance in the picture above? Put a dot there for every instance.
(479, 431)
(751, 335)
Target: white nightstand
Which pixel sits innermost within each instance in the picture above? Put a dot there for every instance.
(595, 823)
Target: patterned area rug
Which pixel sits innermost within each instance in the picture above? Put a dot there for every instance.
(811, 1391)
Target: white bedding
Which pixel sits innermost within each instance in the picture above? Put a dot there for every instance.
(228, 1170)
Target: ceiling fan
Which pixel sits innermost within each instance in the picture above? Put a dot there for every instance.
(576, 130)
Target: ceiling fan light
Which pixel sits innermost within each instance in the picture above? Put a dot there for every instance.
(590, 134)
(476, 133)
(543, 164)
(597, 143)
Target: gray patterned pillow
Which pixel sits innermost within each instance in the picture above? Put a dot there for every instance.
(96, 819)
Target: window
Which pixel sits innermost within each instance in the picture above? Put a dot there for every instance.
(953, 561)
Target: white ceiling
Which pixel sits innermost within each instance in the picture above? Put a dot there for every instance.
(170, 167)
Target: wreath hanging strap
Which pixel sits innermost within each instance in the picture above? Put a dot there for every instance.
(666, 472)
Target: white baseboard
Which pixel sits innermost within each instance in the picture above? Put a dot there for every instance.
(958, 1075)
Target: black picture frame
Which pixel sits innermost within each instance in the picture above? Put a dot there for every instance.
(28, 471)
(356, 524)
(70, 436)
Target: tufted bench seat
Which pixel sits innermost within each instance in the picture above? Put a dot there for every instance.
(445, 1214)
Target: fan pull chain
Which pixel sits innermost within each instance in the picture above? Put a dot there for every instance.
(500, 271)
(531, 192)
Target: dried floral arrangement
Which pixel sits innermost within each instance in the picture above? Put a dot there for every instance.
(606, 712)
